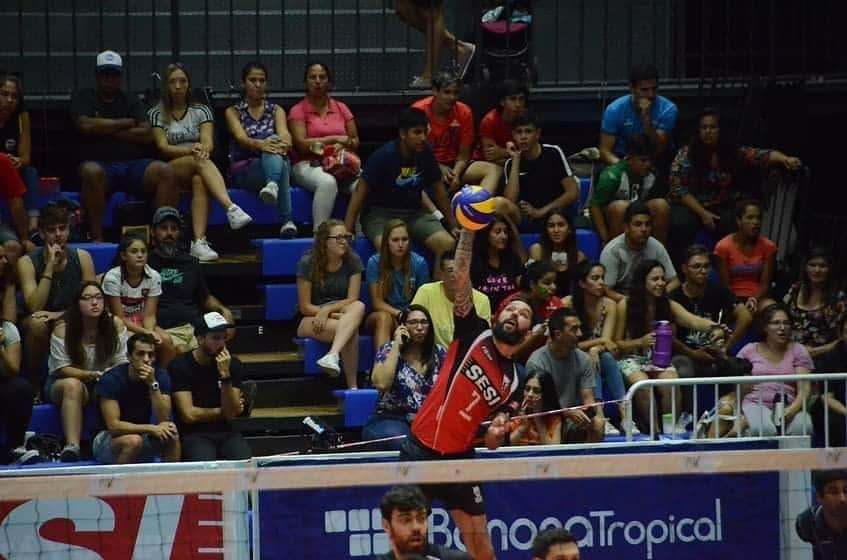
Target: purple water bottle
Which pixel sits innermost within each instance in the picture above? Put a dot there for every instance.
(664, 344)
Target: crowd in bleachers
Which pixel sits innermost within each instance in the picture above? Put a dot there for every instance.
(147, 339)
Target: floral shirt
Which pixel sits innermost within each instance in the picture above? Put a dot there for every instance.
(260, 129)
(815, 327)
(410, 388)
(716, 186)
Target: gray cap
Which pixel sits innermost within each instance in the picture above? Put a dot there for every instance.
(166, 213)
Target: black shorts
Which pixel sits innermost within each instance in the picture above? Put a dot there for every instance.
(466, 496)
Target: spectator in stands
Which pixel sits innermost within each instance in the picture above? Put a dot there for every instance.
(207, 394)
(258, 151)
(184, 292)
(130, 395)
(87, 343)
(317, 122)
(545, 430)
(558, 247)
(538, 177)
(694, 352)
(746, 260)
(566, 371)
(133, 289)
(16, 393)
(115, 136)
(554, 543)
(12, 191)
(647, 303)
(641, 111)
(776, 355)
(405, 518)
(427, 17)
(393, 275)
(833, 395)
(598, 315)
(495, 129)
(451, 137)
(16, 143)
(816, 304)
(497, 269)
(49, 278)
(824, 525)
(437, 298)
(329, 280)
(628, 180)
(392, 186)
(636, 244)
(538, 289)
(703, 180)
(184, 134)
(404, 371)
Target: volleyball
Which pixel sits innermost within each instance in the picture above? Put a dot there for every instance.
(473, 207)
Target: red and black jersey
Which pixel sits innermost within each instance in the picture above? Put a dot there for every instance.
(474, 382)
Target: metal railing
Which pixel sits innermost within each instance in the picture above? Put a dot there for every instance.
(821, 379)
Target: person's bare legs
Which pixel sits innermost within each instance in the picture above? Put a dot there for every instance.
(93, 196)
(380, 324)
(439, 243)
(199, 207)
(160, 183)
(126, 448)
(72, 395)
(350, 360)
(474, 530)
(641, 401)
(342, 333)
(485, 174)
(431, 25)
(614, 217)
(348, 325)
(670, 395)
(661, 212)
(36, 347)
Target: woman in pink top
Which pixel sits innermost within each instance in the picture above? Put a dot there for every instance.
(316, 121)
(776, 355)
(746, 260)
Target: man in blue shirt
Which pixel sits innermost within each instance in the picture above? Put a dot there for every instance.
(642, 111)
(129, 394)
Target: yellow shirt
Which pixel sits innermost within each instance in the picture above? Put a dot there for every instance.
(433, 297)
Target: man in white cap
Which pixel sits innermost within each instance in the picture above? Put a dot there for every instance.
(115, 143)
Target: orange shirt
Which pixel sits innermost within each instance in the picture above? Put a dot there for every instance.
(447, 135)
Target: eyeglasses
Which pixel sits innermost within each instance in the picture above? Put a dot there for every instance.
(93, 297)
(346, 238)
(417, 322)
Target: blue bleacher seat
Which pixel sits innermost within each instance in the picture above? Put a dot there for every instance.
(280, 301)
(279, 256)
(584, 191)
(358, 405)
(103, 254)
(313, 350)
(46, 419)
(586, 239)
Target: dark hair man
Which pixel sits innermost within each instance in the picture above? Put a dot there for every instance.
(824, 526)
(495, 128)
(554, 543)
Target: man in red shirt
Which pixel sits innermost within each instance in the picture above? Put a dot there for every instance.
(495, 129)
(478, 381)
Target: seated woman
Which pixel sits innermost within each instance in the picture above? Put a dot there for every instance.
(538, 288)
(544, 430)
(597, 313)
(258, 152)
(703, 191)
(132, 289)
(746, 261)
(499, 255)
(183, 131)
(404, 371)
(647, 303)
(329, 278)
(775, 355)
(833, 394)
(88, 342)
(816, 304)
(558, 247)
(16, 393)
(393, 275)
(318, 121)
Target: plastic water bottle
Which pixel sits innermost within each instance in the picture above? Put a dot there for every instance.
(664, 344)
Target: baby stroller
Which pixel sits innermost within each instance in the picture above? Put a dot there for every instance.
(507, 41)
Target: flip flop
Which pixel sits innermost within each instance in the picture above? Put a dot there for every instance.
(467, 62)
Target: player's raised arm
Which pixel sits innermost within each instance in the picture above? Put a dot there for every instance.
(463, 298)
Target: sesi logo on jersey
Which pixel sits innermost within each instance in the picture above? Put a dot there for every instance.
(479, 378)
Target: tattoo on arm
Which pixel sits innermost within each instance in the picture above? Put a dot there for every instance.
(463, 299)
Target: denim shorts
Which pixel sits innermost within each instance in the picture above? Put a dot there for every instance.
(101, 448)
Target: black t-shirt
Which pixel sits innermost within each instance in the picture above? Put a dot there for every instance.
(133, 396)
(834, 361)
(10, 134)
(202, 382)
(87, 103)
(541, 178)
(184, 289)
(826, 543)
(395, 181)
(715, 299)
(497, 283)
(432, 551)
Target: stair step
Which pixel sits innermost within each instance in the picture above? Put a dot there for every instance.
(261, 336)
(295, 411)
(296, 391)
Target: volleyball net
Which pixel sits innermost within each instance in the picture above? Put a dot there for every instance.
(651, 500)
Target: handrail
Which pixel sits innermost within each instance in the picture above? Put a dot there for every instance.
(738, 381)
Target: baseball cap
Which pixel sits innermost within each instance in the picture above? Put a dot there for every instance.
(212, 322)
(109, 60)
(166, 213)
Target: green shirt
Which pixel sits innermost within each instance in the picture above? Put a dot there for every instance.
(616, 184)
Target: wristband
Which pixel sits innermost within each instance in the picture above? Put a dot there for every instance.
(154, 386)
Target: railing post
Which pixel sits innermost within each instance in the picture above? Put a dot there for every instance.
(176, 46)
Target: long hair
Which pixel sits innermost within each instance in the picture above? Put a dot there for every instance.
(583, 269)
(428, 349)
(701, 156)
(15, 79)
(318, 251)
(107, 335)
(480, 243)
(637, 323)
(127, 240)
(386, 269)
(546, 243)
(166, 103)
(830, 289)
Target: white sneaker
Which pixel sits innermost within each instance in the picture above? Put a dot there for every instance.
(270, 193)
(203, 251)
(610, 429)
(23, 456)
(288, 230)
(635, 430)
(237, 217)
(330, 364)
